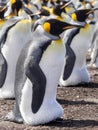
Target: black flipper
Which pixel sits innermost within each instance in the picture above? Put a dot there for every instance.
(38, 79)
(3, 35)
(6, 27)
(3, 70)
(70, 55)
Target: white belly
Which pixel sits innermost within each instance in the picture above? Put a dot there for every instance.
(11, 50)
(79, 45)
(51, 64)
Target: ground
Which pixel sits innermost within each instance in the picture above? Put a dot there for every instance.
(79, 103)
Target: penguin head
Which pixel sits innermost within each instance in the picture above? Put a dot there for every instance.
(63, 6)
(13, 7)
(82, 15)
(59, 8)
(69, 6)
(44, 2)
(16, 5)
(56, 27)
(2, 11)
(44, 11)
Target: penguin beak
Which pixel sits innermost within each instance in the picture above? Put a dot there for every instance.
(89, 12)
(28, 11)
(69, 27)
(73, 26)
(65, 5)
(38, 12)
(43, 12)
(4, 8)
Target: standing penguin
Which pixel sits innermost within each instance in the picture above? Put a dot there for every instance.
(12, 40)
(37, 75)
(74, 69)
(94, 48)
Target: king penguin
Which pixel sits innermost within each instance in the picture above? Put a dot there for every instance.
(94, 48)
(15, 33)
(37, 74)
(75, 69)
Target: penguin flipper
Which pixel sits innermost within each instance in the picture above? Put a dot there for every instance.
(37, 77)
(95, 34)
(70, 61)
(3, 70)
(6, 27)
(70, 55)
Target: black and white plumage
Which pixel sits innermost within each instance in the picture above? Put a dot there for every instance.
(37, 74)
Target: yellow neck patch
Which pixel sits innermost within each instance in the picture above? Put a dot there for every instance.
(13, 1)
(60, 18)
(86, 28)
(2, 21)
(46, 27)
(10, 16)
(59, 41)
(46, 8)
(29, 6)
(74, 16)
(67, 9)
(52, 11)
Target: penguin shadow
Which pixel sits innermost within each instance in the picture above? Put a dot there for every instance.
(61, 123)
(73, 123)
(82, 85)
(81, 102)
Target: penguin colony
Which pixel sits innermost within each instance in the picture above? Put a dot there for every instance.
(44, 43)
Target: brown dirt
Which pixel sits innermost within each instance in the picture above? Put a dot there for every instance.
(79, 103)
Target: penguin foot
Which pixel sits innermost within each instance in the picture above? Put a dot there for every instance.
(6, 94)
(13, 117)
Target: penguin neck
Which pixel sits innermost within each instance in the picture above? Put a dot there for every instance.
(41, 32)
(2, 21)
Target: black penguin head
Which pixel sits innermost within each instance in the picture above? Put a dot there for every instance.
(16, 5)
(2, 11)
(44, 11)
(81, 0)
(57, 9)
(82, 15)
(44, 2)
(56, 27)
(61, 7)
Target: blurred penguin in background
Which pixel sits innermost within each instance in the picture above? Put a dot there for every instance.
(77, 43)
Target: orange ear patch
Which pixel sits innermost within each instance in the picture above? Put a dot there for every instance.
(47, 26)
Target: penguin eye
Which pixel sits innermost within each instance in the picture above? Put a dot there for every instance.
(74, 16)
(46, 26)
